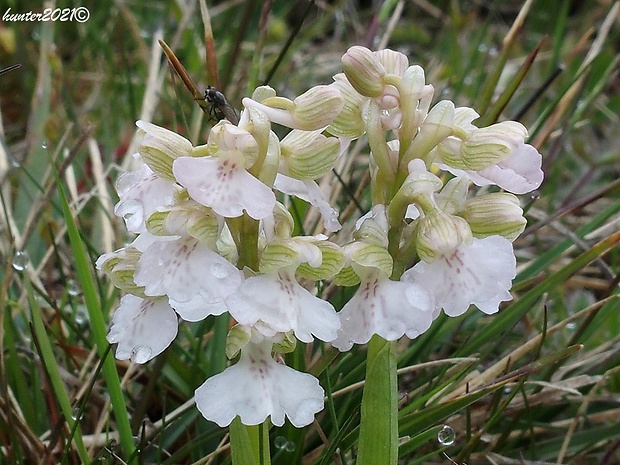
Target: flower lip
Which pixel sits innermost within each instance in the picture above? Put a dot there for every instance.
(257, 388)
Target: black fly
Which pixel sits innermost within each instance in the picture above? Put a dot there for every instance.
(220, 108)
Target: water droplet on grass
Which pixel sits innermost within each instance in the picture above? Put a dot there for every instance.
(76, 414)
(73, 287)
(446, 436)
(20, 260)
(81, 317)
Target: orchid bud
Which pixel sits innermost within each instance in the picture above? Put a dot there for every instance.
(308, 154)
(364, 71)
(495, 214)
(440, 234)
(160, 147)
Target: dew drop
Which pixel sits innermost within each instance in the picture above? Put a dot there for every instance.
(534, 195)
(141, 354)
(290, 446)
(218, 270)
(73, 288)
(81, 317)
(280, 442)
(446, 436)
(20, 260)
(44, 145)
(572, 326)
(76, 414)
(113, 336)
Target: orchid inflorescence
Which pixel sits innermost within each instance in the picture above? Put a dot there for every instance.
(212, 236)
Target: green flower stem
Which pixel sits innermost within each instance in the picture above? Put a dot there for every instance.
(378, 442)
(249, 444)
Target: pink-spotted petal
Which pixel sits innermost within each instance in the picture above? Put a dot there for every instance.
(223, 184)
(190, 274)
(388, 308)
(276, 303)
(480, 274)
(257, 388)
(142, 328)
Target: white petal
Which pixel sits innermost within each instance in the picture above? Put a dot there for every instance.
(198, 308)
(141, 192)
(479, 274)
(310, 192)
(189, 273)
(223, 184)
(275, 303)
(384, 307)
(520, 173)
(142, 328)
(256, 388)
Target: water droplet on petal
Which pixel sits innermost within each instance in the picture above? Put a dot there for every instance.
(218, 270)
(73, 287)
(280, 442)
(141, 354)
(20, 260)
(446, 436)
(290, 446)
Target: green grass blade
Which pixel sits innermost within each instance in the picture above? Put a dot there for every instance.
(51, 366)
(84, 276)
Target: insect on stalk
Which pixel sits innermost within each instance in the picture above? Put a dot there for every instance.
(220, 107)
